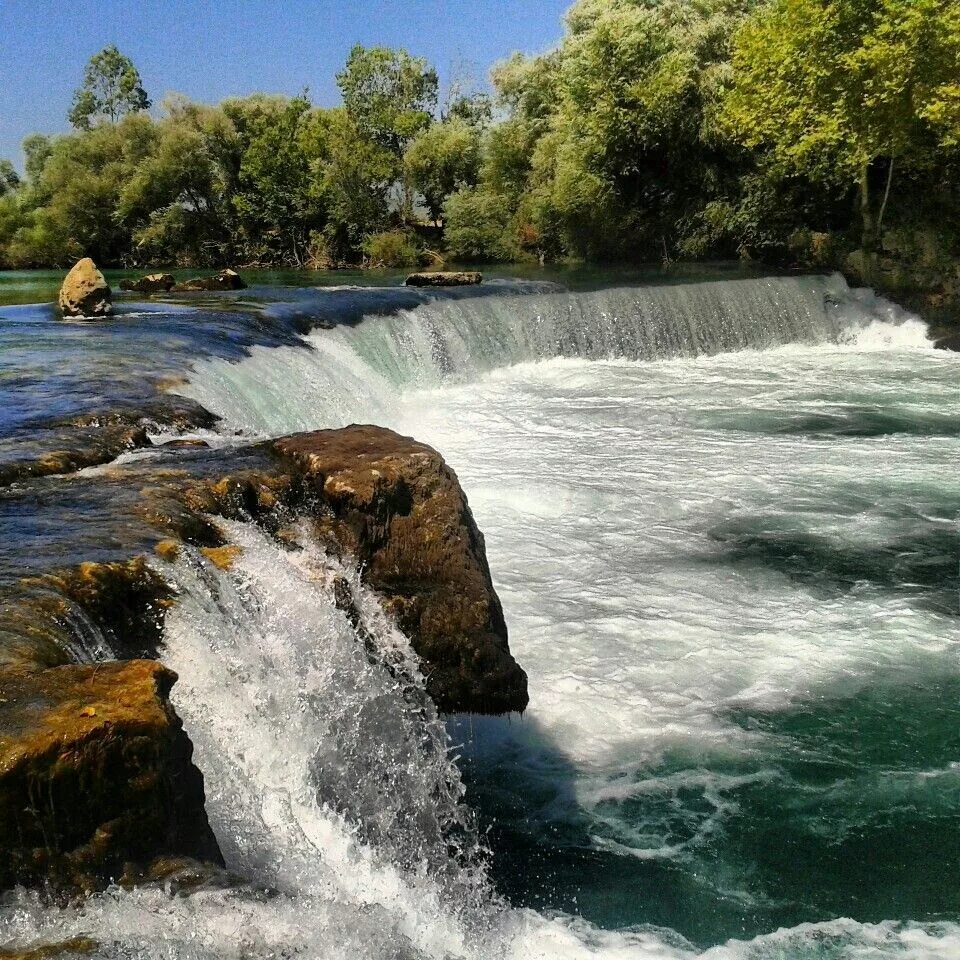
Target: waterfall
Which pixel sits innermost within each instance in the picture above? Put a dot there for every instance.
(354, 373)
(650, 627)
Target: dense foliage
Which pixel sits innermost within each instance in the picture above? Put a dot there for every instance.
(781, 129)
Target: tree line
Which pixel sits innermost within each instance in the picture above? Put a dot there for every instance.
(781, 130)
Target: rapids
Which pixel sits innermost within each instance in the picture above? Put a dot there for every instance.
(722, 518)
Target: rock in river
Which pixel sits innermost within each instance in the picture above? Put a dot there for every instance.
(444, 279)
(224, 280)
(85, 292)
(395, 506)
(96, 776)
(152, 283)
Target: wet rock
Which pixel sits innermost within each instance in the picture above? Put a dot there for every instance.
(89, 447)
(948, 340)
(85, 292)
(74, 947)
(384, 499)
(96, 776)
(442, 279)
(223, 558)
(95, 438)
(152, 283)
(224, 280)
(185, 443)
(399, 509)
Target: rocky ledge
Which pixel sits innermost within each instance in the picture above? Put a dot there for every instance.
(399, 509)
(96, 778)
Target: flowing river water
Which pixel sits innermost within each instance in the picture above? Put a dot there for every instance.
(723, 521)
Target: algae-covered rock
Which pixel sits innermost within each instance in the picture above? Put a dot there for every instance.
(152, 283)
(395, 506)
(85, 292)
(444, 279)
(96, 776)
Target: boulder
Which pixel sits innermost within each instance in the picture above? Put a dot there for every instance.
(96, 777)
(948, 340)
(440, 279)
(396, 507)
(152, 283)
(224, 280)
(85, 292)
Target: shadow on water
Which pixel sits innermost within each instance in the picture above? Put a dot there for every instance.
(860, 422)
(921, 559)
(554, 852)
(849, 808)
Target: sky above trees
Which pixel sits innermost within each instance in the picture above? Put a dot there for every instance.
(214, 50)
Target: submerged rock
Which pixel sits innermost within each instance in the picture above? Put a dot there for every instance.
(440, 279)
(85, 292)
(152, 283)
(96, 776)
(224, 280)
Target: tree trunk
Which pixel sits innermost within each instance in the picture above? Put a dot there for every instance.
(869, 230)
(868, 240)
(886, 197)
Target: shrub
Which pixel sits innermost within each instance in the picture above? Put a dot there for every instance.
(479, 227)
(394, 248)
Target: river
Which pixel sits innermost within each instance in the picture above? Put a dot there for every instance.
(722, 518)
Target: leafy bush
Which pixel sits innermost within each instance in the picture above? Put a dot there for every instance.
(394, 248)
(479, 227)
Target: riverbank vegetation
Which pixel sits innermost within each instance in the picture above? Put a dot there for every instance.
(819, 132)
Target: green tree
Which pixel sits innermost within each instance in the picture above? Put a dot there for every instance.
(834, 89)
(354, 174)
(617, 127)
(36, 150)
(479, 227)
(475, 109)
(111, 88)
(389, 94)
(9, 178)
(276, 207)
(71, 210)
(178, 201)
(442, 159)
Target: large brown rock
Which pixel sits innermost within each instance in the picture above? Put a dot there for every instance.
(152, 283)
(395, 506)
(96, 776)
(224, 280)
(440, 279)
(85, 292)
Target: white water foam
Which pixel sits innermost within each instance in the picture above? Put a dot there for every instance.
(332, 794)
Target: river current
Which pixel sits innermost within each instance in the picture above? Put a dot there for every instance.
(722, 519)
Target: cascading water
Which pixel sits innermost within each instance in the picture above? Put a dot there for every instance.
(722, 518)
(352, 374)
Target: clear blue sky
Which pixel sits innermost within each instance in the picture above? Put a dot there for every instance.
(211, 49)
